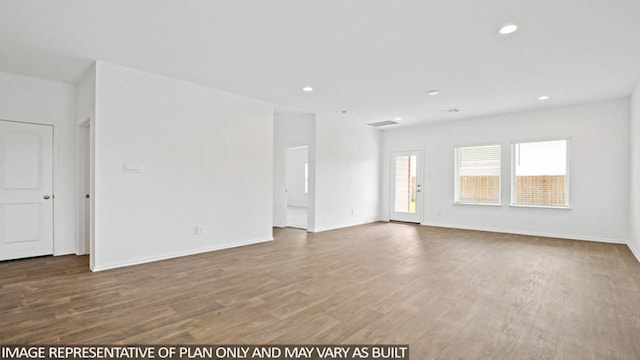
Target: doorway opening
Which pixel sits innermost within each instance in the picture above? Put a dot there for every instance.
(84, 187)
(297, 186)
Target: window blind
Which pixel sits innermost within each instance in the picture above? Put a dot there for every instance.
(478, 174)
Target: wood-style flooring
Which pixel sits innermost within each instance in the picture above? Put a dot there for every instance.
(449, 294)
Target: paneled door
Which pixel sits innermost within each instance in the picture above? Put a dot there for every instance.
(26, 190)
(406, 187)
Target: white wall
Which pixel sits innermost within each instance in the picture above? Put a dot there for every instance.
(292, 129)
(86, 95)
(47, 102)
(599, 170)
(206, 158)
(296, 160)
(348, 173)
(634, 236)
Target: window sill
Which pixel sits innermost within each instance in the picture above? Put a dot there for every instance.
(476, 204)
(541, 207)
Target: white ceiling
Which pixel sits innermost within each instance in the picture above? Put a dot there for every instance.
(376, 59)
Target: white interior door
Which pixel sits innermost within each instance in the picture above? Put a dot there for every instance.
(406, 187)
(26, 190)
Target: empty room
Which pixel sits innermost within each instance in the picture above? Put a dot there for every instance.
(320, 179)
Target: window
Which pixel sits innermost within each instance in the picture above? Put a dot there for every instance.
(478, 174)
(540, 174)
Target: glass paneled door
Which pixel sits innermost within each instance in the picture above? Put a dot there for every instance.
(406, 187)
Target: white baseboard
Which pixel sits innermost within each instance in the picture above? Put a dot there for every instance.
(63, 252)
(343, 226)
(634, 251)
(179, 254)
(531, 233)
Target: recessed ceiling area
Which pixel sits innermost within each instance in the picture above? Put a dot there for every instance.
(375, 58)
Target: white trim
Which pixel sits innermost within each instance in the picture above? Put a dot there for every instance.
(541, 139)
(540, 206)
(63, 252)
(531, 233)
(476, 203)
(634, 251)
(180, 254)
(338, 227)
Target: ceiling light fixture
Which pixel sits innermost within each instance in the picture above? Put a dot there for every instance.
(433, 92)
(397, 119)
(307, 89)
(544, 97)
(508, 29)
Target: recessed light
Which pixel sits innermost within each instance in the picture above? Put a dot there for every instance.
(397, 119)
(508, 29)
(307, 89)
(433, 92)
(544, 97)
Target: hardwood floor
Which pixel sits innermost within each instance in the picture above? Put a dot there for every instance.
(448, 293)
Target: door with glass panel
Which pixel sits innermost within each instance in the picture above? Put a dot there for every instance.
(406, 187)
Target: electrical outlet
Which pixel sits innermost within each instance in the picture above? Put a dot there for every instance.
(199, 230)
(353, 212)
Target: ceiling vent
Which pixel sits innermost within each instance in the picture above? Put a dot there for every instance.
(382, 123)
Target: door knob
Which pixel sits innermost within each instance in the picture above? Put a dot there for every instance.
(46, 197)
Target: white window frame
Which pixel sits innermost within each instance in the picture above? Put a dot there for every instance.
(567, 173)
(456, 184)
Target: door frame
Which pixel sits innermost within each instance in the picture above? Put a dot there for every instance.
(406, 217)
(286, 179)
(83, 181)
